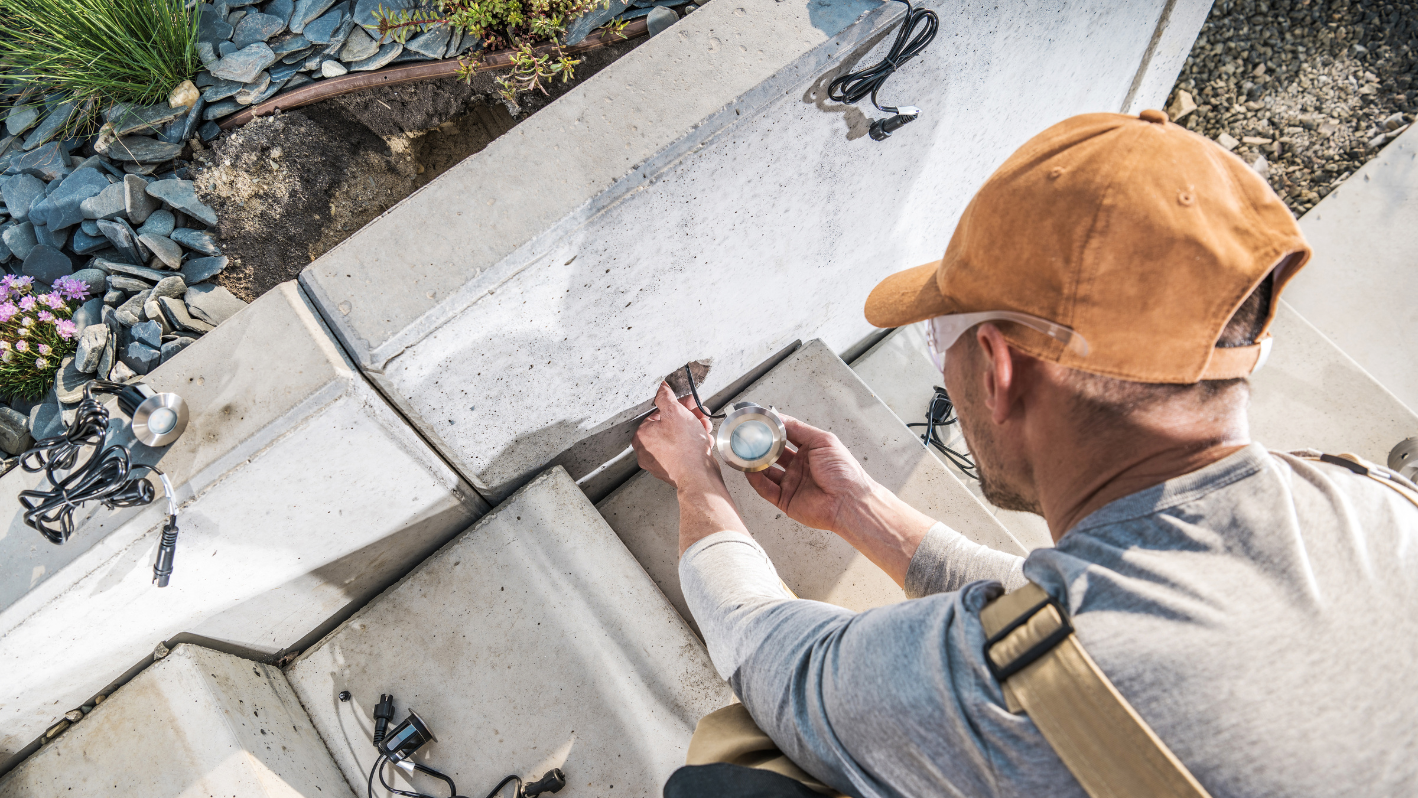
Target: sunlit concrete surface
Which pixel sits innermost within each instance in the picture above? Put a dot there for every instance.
(703, 198)
(301, 492)
(198, 723)
(1361, 288)
(531, 641)
(816, 387)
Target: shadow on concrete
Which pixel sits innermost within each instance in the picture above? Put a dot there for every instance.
(858, 123)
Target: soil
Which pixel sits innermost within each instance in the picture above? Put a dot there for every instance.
(288, 188)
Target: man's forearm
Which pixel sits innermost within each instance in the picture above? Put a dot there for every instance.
(884, 529)
(705, 507)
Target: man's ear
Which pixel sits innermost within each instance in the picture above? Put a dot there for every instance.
(1000, 388)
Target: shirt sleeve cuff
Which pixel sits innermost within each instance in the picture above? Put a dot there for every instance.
(946, 560)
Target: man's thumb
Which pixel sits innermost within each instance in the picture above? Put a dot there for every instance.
(665, 398)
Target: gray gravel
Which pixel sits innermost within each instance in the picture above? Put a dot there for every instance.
(1313, 88)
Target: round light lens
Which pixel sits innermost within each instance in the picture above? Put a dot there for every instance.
(161, 421)
(751, 440)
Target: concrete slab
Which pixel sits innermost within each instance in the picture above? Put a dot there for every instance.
(900, 372)
(531, 641)
(197, 723)
(1361, 289)
(699, 198)
(1310, 394)
(302, 492)
(813, 385)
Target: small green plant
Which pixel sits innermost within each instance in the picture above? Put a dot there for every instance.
(95, 53)
(36, 333)
(528, 70)
(499, 24)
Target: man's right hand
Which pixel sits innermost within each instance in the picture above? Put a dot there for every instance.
(822, 485)
(819, 484)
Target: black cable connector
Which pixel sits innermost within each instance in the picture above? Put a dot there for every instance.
(167, 550)
(383, 713)
(853, 86)
(941, 413)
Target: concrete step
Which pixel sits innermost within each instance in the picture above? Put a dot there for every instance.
(301, 493)
(1311, 395)
(531, 641)
(815, 386)
(1361, 290)
(196, 723)
(901, 373)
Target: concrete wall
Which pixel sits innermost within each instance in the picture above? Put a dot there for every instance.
(198, 723)
(301, 492)
(702, 198)
(1361, 289)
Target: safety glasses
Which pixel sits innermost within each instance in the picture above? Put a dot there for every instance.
(943, 331)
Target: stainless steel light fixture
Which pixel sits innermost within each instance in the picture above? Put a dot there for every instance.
(751, 437)
(158, 418)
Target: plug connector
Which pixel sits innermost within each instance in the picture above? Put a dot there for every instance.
(383, 713)
(553, 781)
(882, 129)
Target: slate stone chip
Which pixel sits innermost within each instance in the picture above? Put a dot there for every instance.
(322, 30)
(431, 43)
(141, 149)
(91, 312)
(50, 125)
(201, 269)
(20, 239)
(200, 240)
(47, 264)
(307, 11)
(180, 317)
(212, 303)
(64, 203)
(20, 192)
(92, 341)
(47, 163)
(380, 59)
(160, 222)
(129, 119)
(255, 28)
(136, 202)
(181, 195)
(107, 204)
(245, 64)
(14, 431)
(140, 357)
(84, 244)
(121, 235)
(21, 118)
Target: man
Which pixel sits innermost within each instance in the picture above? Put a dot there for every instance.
(1099, 306)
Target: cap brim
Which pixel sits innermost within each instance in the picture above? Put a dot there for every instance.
(907, 297)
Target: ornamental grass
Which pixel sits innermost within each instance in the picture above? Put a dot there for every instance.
(36, 333)
(95, 53)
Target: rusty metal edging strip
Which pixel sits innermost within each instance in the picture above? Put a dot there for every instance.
(347, 84)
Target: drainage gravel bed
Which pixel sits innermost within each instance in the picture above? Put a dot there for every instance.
(1306, 91)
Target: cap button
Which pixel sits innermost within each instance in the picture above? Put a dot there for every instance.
(1154, 116)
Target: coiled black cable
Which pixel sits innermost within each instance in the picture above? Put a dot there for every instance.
(941, 413)
(853, 86)
(107, 475)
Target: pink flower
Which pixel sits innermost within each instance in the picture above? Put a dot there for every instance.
(23, 281)
(44, 349)
(8, 311)
(28, 303)
(67, 329)
(45, 315)
(53, 300)
(71, 288)
(4, 345)
(22, 346)
(40, 363)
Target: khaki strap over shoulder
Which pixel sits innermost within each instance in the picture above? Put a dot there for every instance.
(1363, 467)
(1044, 671)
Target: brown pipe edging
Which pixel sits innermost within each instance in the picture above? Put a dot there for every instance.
(348, 84)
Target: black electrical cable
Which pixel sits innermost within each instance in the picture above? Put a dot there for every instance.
(107, 476)
(695, 393)
(941, 413)
(853, 86)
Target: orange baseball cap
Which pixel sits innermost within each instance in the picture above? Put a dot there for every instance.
(1138, 235)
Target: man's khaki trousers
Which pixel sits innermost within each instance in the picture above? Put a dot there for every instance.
(730, 735)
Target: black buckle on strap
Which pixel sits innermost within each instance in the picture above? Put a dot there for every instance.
(1039, 649)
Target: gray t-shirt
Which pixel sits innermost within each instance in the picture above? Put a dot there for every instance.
(1261, 614)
